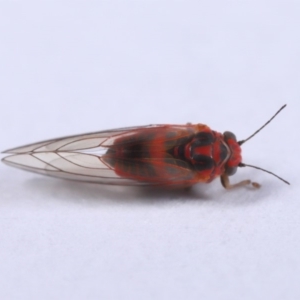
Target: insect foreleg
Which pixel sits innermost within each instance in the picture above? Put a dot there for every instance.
(227, 185)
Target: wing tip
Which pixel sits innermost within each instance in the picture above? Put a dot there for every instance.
(5, 159)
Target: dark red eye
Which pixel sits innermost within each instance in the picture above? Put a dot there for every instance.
(230, 170)
(235, 158)
(229, 135)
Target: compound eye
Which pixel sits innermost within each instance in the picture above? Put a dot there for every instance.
(230, 170)
(229, 135)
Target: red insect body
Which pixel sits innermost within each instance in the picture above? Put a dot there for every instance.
(173, 155)
(160, 155)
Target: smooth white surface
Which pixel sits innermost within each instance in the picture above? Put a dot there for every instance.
(71, 67)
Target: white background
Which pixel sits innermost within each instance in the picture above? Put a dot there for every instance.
(69, 67)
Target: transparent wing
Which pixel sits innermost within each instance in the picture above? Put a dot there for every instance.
(78, 142)
(68, 165)
(80, 157)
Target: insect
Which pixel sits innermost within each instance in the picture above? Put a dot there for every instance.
(155, 155)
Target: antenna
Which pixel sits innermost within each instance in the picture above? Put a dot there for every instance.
(257, 131)
(245, 165)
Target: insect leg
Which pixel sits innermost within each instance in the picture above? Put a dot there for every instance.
(226, 183)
